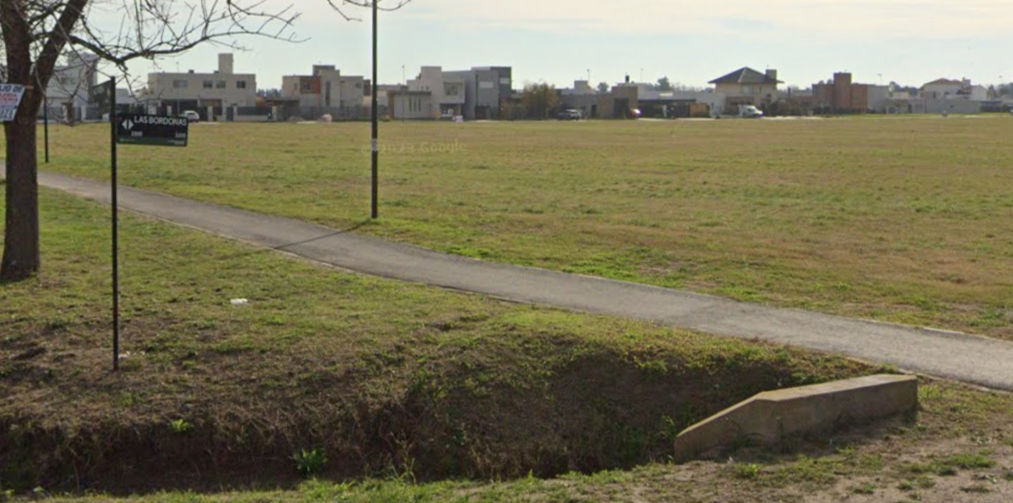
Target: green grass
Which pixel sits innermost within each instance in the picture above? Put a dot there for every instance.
(897, 219)
(379, 378)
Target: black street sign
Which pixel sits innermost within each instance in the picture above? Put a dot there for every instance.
(159, 130)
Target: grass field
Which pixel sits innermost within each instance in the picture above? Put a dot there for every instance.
(897, 219)
(412, 393)
(384, 378)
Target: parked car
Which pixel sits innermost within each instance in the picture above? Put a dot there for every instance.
(191, 116)
(750, 112)
(570, 115)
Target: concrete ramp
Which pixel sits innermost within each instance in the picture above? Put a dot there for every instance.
(769, 418)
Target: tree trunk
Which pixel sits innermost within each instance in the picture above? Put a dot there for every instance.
(21, 257)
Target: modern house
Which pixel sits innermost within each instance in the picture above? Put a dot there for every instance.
(478, 93)
(947, 89)
(324, 88)
(69, 90)
(746, 86)
(941, 96)
(203, 92)
(622, 101)
(448, 95)
(413, 105)
(841, 95)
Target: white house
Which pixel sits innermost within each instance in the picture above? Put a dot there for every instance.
(447, 90)
(942, 89)
(196, 91)
(69, 89)
(326, 88)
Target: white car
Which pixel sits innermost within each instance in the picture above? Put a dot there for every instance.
(750, 112)
(191, 116)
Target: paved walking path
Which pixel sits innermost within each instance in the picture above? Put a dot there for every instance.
(968, 358)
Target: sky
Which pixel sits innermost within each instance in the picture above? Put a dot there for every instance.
(691, 42)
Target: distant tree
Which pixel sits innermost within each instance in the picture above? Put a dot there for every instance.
(664, 84)
(603, 88)
(269, 93)
(539, 100)
(899, 88)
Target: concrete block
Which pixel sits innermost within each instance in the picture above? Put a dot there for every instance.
(770, 417)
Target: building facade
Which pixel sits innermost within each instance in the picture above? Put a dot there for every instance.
(448, 91)
(68, 94)
(324, 88)
(746, 86)
(475, 94)
(202, 92)
(948, 89)
(842, 95)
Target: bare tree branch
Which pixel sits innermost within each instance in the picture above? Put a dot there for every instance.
(37, 33)
(342, 6)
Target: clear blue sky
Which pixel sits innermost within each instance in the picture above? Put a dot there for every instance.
(691, 42)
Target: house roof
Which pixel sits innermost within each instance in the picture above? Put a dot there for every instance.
(745, 75)
(944, 82)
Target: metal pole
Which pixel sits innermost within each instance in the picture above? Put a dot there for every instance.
(376, 121)
(116, 236)
(45, 124)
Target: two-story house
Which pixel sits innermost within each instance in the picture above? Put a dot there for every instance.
(746, 86)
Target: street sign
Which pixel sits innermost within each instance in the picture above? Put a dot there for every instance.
(158, 130)
(10, 99)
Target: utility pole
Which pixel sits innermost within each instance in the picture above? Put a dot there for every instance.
(45, 122)
(376, 120)
(116, 226)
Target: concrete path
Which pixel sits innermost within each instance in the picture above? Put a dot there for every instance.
(967, 358)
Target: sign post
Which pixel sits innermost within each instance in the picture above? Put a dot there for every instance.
(116, 226)
(10, 99)
(135, 129)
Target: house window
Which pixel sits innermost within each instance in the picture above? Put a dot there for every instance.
(306, 87)
(208, 84)
(220, 84)
(180, 84)
(358, 85)
(451, 90)
(240, 84)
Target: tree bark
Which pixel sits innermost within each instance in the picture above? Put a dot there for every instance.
(21, 258)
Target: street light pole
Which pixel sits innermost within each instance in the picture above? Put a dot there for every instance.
(45, 126)
(376, 121)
